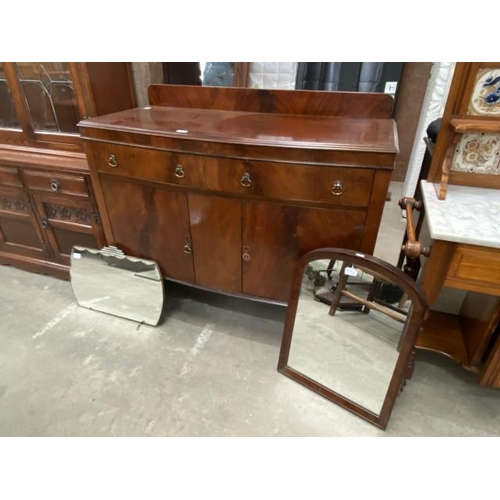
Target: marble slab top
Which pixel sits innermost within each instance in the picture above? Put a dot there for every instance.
(467, 215)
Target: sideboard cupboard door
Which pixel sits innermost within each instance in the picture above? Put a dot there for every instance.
(290, 231)
(216, 232)
(19, 232)
(151, 223)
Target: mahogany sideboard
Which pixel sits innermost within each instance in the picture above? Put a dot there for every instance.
(226, 187)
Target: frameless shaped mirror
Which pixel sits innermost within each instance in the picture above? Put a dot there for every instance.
(350, 330)
(109, 281)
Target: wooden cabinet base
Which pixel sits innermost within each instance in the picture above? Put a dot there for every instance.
(35, 265)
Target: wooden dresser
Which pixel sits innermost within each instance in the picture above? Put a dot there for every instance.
(46, 199)
(225, 188)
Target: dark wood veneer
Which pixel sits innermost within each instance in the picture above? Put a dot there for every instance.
(292, 102)
(258, 179)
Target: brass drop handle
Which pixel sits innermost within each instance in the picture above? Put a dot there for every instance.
(45, 223)
(54, 185)
(112, 161)
(337, 188)
(246, 181)
(246, 255)
(179, 171)
(188, 248)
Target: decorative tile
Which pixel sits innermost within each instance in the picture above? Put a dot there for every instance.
(485, 99)
(478, 154)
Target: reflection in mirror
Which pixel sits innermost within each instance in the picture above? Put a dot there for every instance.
(217, 74)
(108, 281)
(351, 330)
(50, 95)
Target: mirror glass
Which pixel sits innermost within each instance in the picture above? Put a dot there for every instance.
(350, 330)
(353, 352)
(108, 281)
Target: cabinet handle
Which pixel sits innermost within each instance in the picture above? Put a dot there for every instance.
(337, 188)
(187, 248)
(54, 185)
(179, 171)
(45, 223)
(246, 181)
(246, 254)
(112, 161)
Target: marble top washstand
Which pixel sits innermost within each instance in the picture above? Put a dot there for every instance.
(467, 215)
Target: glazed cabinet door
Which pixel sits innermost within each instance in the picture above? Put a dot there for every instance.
(274, 236)
(19, 231)
(67, 222)
(216, 232)
(151, 223)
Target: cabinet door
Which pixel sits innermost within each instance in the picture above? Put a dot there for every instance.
(216, 232)
(19, 232)
(151, 223)
(67, 222)
(274, 236)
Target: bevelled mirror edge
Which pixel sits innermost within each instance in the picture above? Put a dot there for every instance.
(404, 365)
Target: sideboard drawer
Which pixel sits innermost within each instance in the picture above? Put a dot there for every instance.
(74, 185)
(281, 181)
(292, 182)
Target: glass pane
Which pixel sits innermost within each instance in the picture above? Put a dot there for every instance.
(50, 96)
(8, 118)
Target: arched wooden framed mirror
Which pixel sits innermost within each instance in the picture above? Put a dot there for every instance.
(350, 330)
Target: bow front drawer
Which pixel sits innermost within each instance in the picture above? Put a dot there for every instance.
(260, 179)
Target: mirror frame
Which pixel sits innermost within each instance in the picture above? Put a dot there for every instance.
(404, 365)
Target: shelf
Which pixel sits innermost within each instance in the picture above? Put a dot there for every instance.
(442, 333)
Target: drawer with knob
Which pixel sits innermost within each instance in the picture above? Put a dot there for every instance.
(261, 179)
(145, 164)
(308, 183)
(73, 185)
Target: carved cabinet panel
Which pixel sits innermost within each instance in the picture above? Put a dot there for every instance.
(67, 222)
(19, 231)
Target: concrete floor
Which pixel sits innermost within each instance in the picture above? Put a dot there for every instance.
(209, 369)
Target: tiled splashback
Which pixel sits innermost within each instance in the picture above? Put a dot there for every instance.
(273, 75)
